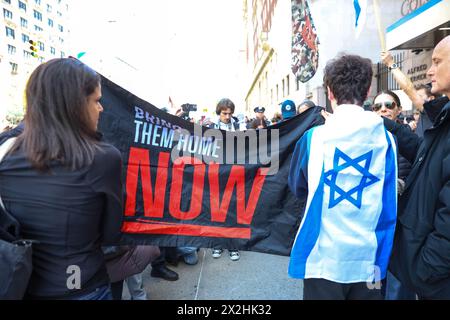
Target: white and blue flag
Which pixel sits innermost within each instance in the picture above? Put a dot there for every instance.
(360, 15)
(347, 171)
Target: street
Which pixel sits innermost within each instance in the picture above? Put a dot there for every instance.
(256, 276)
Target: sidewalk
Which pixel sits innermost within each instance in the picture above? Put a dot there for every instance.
(256, 276)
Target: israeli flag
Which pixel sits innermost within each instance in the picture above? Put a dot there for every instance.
(360, 15)
(347, 171)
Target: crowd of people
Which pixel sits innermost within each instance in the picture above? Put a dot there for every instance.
(64, 186)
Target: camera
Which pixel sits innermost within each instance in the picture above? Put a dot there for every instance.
(188, 107)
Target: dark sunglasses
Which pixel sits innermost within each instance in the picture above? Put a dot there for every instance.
(388, 104)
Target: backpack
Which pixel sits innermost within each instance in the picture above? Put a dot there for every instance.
(15, 253)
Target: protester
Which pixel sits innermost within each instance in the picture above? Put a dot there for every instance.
(348, 179)
(225, 109)
(416, 117)
(387, 104)
(277, 117)
(423, 122)
(305, 105)
(288, 109)
(258, 124)
(225, 121)
(172, 255)
(420, 256)
(159, 266)
(126, 263)
(419, 94)
(64, 185)
(11, 133)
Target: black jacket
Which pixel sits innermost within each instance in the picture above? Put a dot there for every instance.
(12, 133)
(421, 253)
(70, 213)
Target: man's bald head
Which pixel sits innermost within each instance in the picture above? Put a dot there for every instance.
(439, 71)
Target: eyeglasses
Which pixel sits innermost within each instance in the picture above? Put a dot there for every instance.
(388, 104)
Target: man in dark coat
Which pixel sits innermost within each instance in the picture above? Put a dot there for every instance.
(421, 253)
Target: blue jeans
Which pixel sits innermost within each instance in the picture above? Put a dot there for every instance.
(186, 250)
(101, 293)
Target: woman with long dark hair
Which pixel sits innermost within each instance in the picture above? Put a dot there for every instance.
(63, 184)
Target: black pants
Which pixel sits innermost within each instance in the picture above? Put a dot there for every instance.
(166, 253)
(321, 289)
(116, 290)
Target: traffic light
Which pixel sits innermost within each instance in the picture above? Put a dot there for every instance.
(33, 48)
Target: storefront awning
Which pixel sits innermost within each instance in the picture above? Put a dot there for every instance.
(422, 28)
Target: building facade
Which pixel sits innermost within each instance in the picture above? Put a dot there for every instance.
(422, 25)
(268, 33)
(40, 21)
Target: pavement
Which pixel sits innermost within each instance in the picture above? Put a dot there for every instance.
(256, 276)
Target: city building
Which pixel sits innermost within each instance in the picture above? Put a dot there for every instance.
(422, 25)
(39, 21)
(268, 32)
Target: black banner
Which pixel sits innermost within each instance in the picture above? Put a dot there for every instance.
(188, 185)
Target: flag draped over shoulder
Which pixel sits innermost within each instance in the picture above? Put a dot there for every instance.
(187, 185)
(305, 50)
(348, 228)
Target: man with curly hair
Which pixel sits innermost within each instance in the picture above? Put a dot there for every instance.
(346, 170)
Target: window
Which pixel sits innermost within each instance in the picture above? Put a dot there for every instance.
(49, 8)
(7, 13)
(59, 13)
(23, 22)
(38, 2)
(14, 67)
(27, 54)
(7, 1)
(52, 51)
(10, 32)
(25, 38)
(22, 6)
(37, 15)
(11, 49)
(50, 22)
(288, 85)
(61, 39)
(41, 46)
(63, 54)
(60, 28)
(37, 28)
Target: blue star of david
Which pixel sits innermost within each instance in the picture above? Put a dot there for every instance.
(367, 178)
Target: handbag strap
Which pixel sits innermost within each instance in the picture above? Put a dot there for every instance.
(4, 148)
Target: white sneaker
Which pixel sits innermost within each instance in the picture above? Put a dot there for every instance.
(234, 255)
(216, 253)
